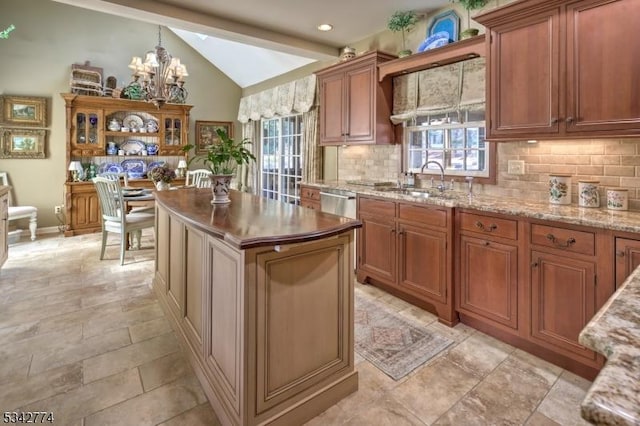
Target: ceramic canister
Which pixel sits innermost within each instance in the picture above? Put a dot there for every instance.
(617, 199)
(559, 189)
(588, 195)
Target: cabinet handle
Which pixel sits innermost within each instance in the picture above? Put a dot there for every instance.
(393, 231)
(560, 244)
(487, 243)
(569, 120)
(401, 233)
(534, 265)
(554, 120)
(620, 253)
(489, 228)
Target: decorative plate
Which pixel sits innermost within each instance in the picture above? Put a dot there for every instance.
(134, 167)
(132, 122)
(110, 168)
(133, 147)
(154, 164)
(437, 40)
(448, 22)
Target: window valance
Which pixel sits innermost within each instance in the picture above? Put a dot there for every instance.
(294, 97)
(449, 88)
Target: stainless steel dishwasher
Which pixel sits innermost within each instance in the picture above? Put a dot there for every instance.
(339, 202)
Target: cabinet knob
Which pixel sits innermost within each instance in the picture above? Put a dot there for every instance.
(556, 242)
(620, 253)
(492, 227)
(534, 265)
(554, 120)
(569, 120)
(487, 243)
(393, 231)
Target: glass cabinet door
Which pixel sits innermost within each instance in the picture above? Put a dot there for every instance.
(86, 127)
(172, 132)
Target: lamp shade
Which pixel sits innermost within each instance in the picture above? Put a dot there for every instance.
(75, 166)
(182, 164)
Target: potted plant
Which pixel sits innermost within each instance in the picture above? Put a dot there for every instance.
(470, 5)
(403, 22)
(222, 158)
(162, 176)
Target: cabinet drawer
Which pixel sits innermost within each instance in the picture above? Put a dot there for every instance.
(423, 215)
(313, 205)
(376, 207)
(582, 242)
(310, 193)
(487, 225)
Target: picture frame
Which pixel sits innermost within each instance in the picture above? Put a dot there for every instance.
(24, 110)
(206, 133)
(23, 143)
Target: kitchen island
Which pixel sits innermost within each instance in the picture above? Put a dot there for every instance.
(261, 295)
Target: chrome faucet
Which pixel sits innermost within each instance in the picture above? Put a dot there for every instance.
(442, 186)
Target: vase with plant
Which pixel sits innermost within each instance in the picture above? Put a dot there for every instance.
(222, 158)
(403, 22)
(162, 176)
(470, 5)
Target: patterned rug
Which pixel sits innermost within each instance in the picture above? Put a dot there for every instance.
(395, 344)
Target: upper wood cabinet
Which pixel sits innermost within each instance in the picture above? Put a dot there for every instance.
(355, 107)
(559, 69)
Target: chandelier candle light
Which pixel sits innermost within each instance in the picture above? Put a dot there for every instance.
(162, 77)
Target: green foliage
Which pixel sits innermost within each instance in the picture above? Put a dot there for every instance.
(224, 156)
(5, 33)
(402, 21)
(471, 4)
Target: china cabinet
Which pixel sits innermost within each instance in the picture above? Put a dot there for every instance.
(557, 69)
(116, 135)
(355, 107)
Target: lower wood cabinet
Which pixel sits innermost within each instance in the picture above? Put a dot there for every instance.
(407, 248)
(4, 227)
(310, 197)
(627, 258)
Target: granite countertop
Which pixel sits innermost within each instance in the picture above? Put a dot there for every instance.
(627, 221)
(614, 397)
(251, 221)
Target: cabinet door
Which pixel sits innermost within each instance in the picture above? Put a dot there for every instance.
(602, 70)
(423, 262)
(563, 300)
(86, 132)
(377, 247)
(489, 280)
(360, 103)
(627, 258)
(85, 211)
(175, 283)
(332, 110)
(171, 135)
(194, 261)
(4, 228)
(524, 76)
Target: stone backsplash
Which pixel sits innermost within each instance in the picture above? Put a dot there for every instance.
(614, 162)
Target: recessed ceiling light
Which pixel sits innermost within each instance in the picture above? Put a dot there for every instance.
(325, 27)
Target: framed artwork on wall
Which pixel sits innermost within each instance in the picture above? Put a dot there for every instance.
(24, 110)
(206, 133)
(22, 143)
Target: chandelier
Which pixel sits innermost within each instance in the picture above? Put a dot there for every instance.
(162, 77)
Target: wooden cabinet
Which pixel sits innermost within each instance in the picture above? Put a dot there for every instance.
(408, 248)
(627, 258)
(90, 133)
(310, 197)
(551, 75)
(488, 269)
(355, 107)
(4, 225)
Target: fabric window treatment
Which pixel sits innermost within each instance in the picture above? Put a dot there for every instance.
(450, 88)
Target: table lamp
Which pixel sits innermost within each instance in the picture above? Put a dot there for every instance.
(182, 168)
(75, 167)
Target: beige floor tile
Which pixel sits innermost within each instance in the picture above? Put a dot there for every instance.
(13, 334)
(562, 404)
(129, 356)
(24, 391)
(14, 368)
(164, 370)
(546, 371)
(479, 354)
(385, 411)
(202, 415)
(85, 348)
(30, 315)
(115, 320)
(538, 419)
(151, 408)
(458, 333)
(434, 389)
(120, 295)
(420, 315)
(372, 385)
(88, 399)
(148, 329)
(334, 415)
(45, 342)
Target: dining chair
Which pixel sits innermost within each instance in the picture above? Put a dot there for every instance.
(198, 178)
(21, 212)
(144, 206)
(114, 216)
(116, 176)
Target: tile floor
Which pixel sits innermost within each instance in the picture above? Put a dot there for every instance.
(87, 340)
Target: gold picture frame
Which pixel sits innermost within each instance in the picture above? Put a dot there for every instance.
(206, 133)
(23, 143)
(24, 111)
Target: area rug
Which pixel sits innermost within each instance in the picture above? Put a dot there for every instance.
(395, 344)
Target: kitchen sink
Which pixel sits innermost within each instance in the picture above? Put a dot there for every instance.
(418, 192)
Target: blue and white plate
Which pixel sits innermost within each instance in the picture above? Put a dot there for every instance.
(133, 147)
(448, 22)
(110, 168)
(134, 167)
(436, 40)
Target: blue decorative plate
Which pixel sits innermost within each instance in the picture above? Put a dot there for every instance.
(448, 22)
(134, 168)
(133, 147)
(110, 168)
(437, 40)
